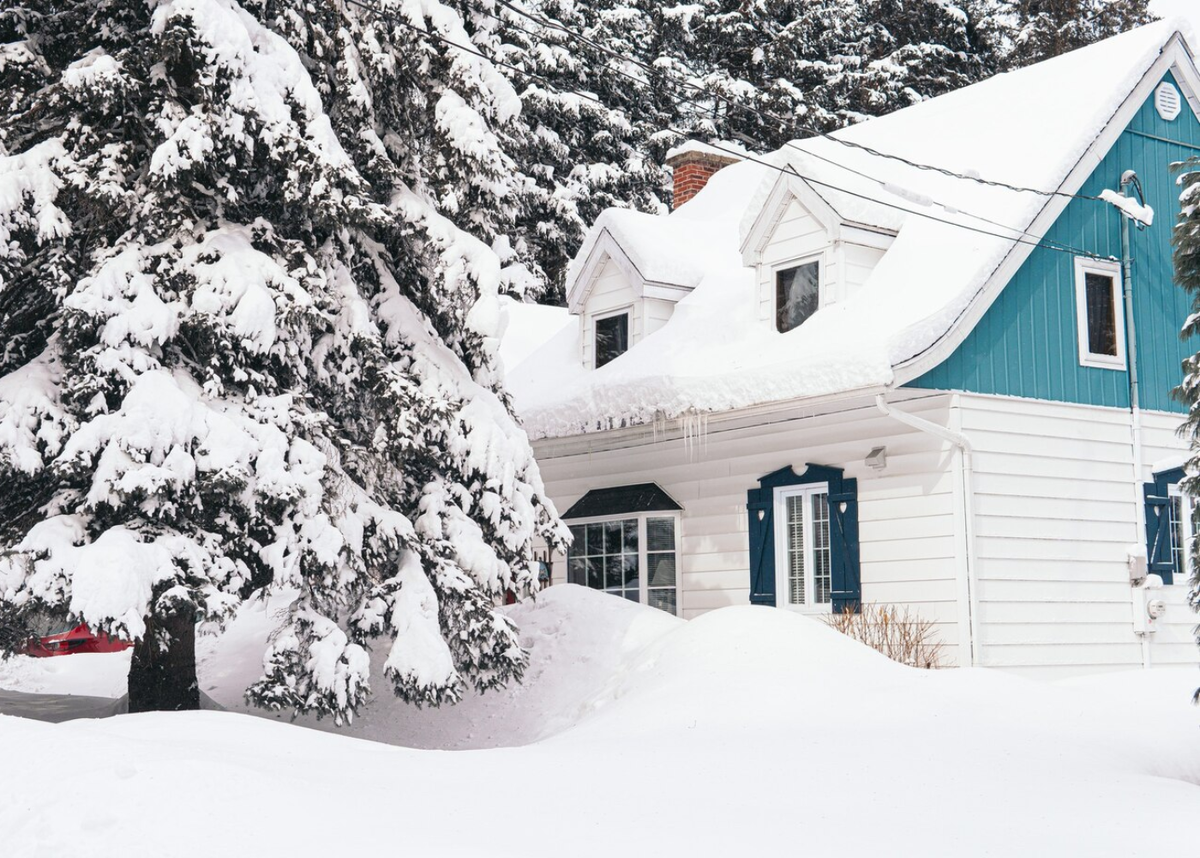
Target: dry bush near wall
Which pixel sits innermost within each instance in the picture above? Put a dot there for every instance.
(896, 632)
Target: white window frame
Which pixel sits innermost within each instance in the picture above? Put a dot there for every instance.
(1108, 268)
(782, 590)
(1185, 514)
(796, 262)
(626, 310)
(643, 560)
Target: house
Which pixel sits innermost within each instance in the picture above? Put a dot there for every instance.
(926, 363)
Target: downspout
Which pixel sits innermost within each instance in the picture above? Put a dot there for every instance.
(965, 450)
(1128, 179)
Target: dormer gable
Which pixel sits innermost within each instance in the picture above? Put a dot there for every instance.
(631, 271)
(607, 254)
(798, 244)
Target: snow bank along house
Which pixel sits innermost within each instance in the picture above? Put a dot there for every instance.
(851, 378)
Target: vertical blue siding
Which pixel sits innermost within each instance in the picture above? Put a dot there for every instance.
(1026, 344)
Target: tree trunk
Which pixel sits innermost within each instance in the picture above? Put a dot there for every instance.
(162, 676)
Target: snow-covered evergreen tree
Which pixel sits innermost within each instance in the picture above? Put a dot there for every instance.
(1187, 275)
(587, 133)
(816, 65)
(1040, 29)
(248, 302)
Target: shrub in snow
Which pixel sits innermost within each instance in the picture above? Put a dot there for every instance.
(249, 342)
(897, 632)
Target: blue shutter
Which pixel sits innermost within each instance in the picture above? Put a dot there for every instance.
(843, 527)
(762, 550)
(1159, 559)
(843, 524)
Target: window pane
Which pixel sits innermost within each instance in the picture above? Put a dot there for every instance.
(595, 539)
(612, 338)
(629, 576)
(595, 573)
(1101, 314)
(577, 571)
(795, 549)
(796, 295)
(660, 534)
(664, 600)
(578, 542)
(612, 537)
(662, 570)
(631, 536)
(822, 566)
(613, 572)
(1177, 534)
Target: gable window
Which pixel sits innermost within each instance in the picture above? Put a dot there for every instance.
(1100, 313)
(625, 541)
(612, 337)
(803, 565)
(1169, 530)
(797, 295)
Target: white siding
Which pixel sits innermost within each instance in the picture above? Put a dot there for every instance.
(1056, 510)
(657, 312)
(909, 551)
(859, 262)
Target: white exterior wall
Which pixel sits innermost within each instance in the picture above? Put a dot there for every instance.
(1056, 509)
(907, 514)
(799, 236)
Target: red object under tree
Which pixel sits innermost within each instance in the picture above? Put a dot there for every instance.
(73, 640)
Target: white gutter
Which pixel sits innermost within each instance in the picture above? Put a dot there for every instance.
(965, 450)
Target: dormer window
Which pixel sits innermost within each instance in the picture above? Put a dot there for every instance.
(797, 294)
(612, 337)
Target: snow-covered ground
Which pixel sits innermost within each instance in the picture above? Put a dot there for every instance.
(744, 732)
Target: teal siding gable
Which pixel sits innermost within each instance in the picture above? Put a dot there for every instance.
(1026, 344)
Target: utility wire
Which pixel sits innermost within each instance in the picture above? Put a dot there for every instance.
(793, 144)
(789, 170)
(790, 124)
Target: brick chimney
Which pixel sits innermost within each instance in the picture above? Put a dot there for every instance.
(694, 164)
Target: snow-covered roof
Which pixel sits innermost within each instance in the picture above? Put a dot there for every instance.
(1042, 127)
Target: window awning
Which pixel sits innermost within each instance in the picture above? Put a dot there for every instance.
(621, 500)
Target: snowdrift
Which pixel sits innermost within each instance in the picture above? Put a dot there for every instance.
(746, 731)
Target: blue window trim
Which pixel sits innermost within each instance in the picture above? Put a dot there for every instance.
(843, 527)
(1157, 497)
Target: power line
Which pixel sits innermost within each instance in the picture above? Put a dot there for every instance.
(793, 145)
(790, 170)
(791, 124)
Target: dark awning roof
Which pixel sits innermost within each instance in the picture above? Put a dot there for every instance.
(645, 497)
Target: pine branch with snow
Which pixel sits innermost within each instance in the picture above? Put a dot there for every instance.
(1186, 242)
